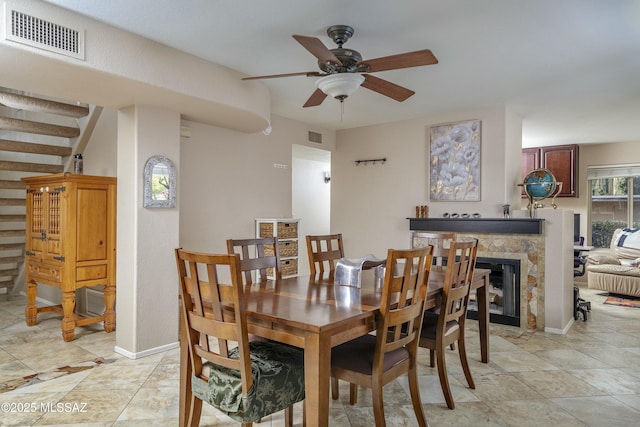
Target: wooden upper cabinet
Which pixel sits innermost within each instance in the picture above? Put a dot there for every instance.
(530, 160)
(561, 160)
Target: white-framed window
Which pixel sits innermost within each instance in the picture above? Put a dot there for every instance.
(614, 200)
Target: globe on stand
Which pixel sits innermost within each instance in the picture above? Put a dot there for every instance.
(540, 184)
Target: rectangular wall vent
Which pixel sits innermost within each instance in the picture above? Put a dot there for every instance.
(315, 137)
(42, 34)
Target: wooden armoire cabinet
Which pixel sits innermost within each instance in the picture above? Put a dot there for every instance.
(70, 244)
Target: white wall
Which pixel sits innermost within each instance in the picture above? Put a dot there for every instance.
(228, 179)
(100, 156)
(370, 203)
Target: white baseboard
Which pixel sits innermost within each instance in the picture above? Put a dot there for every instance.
(145, 353)
(44, 302)
(561, 331)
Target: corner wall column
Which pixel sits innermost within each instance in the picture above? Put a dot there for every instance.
(146, 285)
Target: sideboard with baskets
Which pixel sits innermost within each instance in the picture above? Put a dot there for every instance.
(286, 230)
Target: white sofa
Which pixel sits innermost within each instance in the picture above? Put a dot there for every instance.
(615, 269)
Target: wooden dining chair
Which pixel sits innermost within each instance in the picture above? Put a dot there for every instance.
(375, 360)
(258, 256)
(245, 380)
(445, 327)
(324, 251)
(440, 242)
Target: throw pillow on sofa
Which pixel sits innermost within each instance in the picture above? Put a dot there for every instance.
(598, 259)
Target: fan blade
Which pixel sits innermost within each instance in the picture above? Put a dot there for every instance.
(386, 88)
(315, 99)
(273, 76)
(317, 49)
(402, 60)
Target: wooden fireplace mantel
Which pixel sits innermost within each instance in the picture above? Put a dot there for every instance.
(478, 225)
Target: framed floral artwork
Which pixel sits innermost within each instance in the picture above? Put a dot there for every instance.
(454, 161)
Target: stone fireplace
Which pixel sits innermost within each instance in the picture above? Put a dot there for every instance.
(522, 240)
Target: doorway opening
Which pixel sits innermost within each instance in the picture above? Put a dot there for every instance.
(311, 195)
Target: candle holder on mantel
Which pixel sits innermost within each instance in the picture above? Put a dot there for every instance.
(422, 211)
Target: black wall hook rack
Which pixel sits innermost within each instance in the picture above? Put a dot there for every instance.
(374, 161)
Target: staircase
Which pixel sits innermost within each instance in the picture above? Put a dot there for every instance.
(38, 136)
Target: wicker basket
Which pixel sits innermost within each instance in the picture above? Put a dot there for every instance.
(288, 249)
(268, 250)
(289, 267)
(287, 230)
(266, 229)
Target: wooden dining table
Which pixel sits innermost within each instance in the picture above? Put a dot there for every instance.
(316, 315)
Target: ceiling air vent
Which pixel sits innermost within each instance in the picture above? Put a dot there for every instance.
(315, 137)
(42, 34)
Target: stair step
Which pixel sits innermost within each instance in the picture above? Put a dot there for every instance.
(6, 184)
(6, 284)
(19, 125)
(23, 102)
(11, 233)
(12, 202)
(13, 218)
(9, 272)
(33, 148)
(11, 259)
(11, 246)
(30, 167)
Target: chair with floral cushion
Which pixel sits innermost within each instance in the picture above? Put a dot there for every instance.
(375, 360)
(244, 380)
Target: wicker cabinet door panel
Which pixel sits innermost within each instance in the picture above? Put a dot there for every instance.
(35, 244)
(53, 219)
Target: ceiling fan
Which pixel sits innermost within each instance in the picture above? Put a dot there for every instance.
(343, 70)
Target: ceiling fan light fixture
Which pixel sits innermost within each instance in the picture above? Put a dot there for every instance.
(340, 85)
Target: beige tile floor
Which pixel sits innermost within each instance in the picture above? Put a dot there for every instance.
(589, 377)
